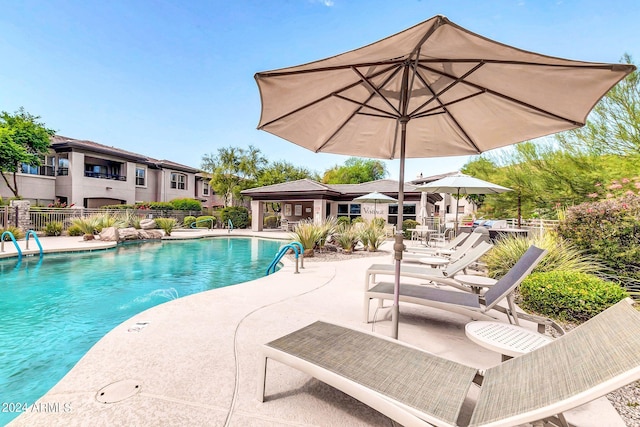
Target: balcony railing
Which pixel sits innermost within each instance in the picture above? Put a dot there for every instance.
(90, 174)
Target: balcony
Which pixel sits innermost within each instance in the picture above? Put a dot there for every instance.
(101, 175)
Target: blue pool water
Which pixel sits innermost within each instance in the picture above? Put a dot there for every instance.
(53, 309)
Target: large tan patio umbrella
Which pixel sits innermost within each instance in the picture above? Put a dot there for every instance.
(433, 90)
(462, 184)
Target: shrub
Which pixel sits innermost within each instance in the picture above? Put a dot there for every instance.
(568, 295)
(609, 230)
(561, 255)
(188, 220)
(186, 204)
(344, 220)
(308, 234)
(372, 236)
(406, 225)
(74, 230)
(166, 224)
(347, 239)
(17, 233)
(88, 226)
(205, 221)
(239, 216)
(53, 228)
(270, 221)
(378, 222)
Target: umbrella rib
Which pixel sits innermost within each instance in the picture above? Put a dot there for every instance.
(327, 96)
(501, 95)
(375, 89)
(364, 105)
(432, 111)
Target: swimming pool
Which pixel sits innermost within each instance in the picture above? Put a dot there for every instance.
(53, 309)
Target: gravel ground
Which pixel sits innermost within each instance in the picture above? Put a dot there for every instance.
(625, 400)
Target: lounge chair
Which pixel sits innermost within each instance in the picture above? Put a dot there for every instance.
(470, 304)
(426, 273)
(469, 243)
(416, 388)
(445, 249)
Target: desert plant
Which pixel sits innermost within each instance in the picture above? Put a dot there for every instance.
(308, 234)
(127, 218)
(378, 222)
(347, 239)
(166, 224)
(88, 226)
(561, 255)
(53, 228)
(17, 233)
(74, 230)
(372, 236)
(326, 229)
(568, 295)
(107, 220)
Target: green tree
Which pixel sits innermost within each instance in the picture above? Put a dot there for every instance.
(232, 170)
(355, 171)
(282, 171)
(23, 139)
(613, 127)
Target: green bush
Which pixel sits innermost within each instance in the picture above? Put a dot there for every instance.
(609, 230)
(561, 255)
(378, 222)
(372, 236)
(239, 216)
(308, 234)
(74, 230)
(344, 220)
(568, 295)
(166, 224)
(53, 228)
(205, 221)
(188, 220)
(17, 233)
(186, 204)
(406, 225)
(270, 221)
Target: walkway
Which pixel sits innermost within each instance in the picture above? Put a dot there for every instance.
(197, 359)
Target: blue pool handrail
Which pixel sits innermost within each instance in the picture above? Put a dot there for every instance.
(13, 239)
(283, 250)
(209, 220)
(35, 237)
(230, 225)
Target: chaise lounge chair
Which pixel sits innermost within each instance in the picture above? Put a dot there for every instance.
(447, 248)
(470, 304)
(428, 274)
(473, 240)
(416, 388)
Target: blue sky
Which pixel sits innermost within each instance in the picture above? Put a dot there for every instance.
(174, 79)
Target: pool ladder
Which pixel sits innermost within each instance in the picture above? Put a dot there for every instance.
(15, 243)
(297, 249)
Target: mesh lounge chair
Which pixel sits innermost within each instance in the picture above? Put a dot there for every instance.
(416, 388)
(469, 243)
(448, 248)
(470, 304)
(438, 275)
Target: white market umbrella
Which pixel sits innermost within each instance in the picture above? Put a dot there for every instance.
(462, 184)
(375, 198)
(433, 90)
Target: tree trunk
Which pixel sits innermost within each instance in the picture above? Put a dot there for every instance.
(13, 189)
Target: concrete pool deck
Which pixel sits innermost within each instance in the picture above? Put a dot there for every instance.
(196, 359)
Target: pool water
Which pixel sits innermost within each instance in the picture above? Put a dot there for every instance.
(54, 308)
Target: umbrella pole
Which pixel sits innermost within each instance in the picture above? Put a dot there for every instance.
(398, 247)
(455, 226)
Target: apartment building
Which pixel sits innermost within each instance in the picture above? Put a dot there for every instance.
(87, 174)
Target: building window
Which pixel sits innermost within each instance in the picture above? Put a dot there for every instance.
(178, 181)
(141, 174)
(205, 188)
(408, 212)
(350, 210)
(63, 164)
(46, 168)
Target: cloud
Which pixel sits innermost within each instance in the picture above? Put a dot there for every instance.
(327, 3)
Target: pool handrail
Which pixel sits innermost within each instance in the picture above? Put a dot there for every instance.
(13, 239)
(210, 220)
(230, 225)
(35, 237)
(283, 250)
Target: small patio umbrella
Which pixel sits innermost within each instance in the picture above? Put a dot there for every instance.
(433, 90)
(462, 184)
(375, 198)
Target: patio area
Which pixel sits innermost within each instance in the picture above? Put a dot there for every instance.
(196, 359)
